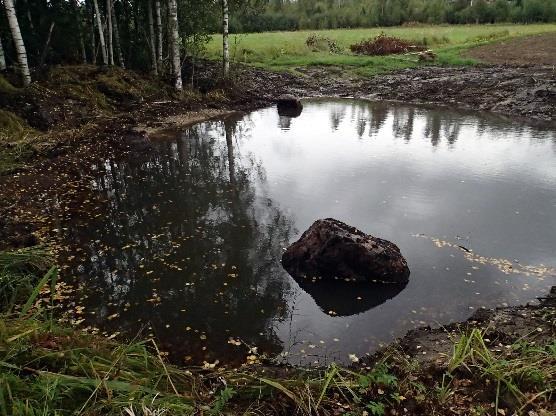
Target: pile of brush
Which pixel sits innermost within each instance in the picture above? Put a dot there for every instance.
(384, 45)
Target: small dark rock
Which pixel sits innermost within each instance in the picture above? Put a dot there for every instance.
(332, 249)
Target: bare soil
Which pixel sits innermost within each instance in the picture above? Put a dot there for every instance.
(532, 50)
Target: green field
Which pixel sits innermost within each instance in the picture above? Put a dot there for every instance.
(287, 50)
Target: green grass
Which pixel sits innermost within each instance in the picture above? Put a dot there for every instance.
(287, 50)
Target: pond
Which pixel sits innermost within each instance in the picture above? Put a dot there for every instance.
(187, 247)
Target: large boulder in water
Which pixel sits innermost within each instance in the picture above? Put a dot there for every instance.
(332, 249)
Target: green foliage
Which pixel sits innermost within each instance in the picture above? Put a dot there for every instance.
(19, 271)
(308, 14)
(224, 396)
(376, 408)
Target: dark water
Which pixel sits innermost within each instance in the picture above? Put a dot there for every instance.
(188, 247)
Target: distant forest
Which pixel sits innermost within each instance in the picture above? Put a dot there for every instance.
(267, 15)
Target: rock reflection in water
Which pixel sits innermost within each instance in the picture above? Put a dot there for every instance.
(339, 298)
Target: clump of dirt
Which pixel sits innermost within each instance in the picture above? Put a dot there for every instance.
(322, 44)
(384, 45)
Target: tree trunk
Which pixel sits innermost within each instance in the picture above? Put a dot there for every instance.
(79, 31)
(152, 42)
(100, 33)
(46, 45)
(225, 38)
(18, 42)
(2, 58)
(117, 36)
(109, 32)
(158, 17)
(175, 43)
(93, 37)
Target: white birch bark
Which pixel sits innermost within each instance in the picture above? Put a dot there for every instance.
(2, 58)
(158, 17)
(152, 42)
(225, 38)
(18, 42)
(175, 43)
(100, 33)
(109, 32)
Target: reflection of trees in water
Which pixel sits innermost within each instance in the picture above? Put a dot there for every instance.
(403, 123)
(337, 114)
(439, 124)
(186, 241)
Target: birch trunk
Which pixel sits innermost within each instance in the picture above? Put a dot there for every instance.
(109, 32)
(2, 58)
(117, 36)
(100, 33)
(152, 42)
(158, 17)
(18, 42)
(175, 43)
(225, 38)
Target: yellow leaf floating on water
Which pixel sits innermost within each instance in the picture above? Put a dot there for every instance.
(235, 342)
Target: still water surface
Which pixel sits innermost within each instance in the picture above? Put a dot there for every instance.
(189, 245)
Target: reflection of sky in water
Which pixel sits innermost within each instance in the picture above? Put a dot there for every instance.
(393, 171)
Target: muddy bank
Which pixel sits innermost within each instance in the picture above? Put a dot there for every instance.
(461, 364)
(433, 348)
(527, 92)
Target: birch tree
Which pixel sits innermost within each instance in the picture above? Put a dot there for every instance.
(175, 43)
(152, 42)
(18, 42)
(109, 32)
(2, 58)
(100, 33)
(158, 17)
(225, 38)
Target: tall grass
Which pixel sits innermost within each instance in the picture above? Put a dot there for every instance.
(522, 368)
(19, 271)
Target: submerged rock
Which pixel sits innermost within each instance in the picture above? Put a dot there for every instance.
(332, 249)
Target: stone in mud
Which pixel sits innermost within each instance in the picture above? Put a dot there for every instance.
(331, 249)
(289, 103)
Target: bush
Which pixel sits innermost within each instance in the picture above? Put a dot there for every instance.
(322, 44)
